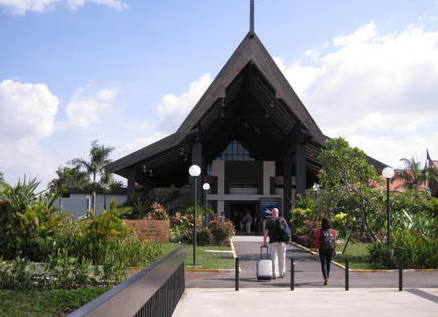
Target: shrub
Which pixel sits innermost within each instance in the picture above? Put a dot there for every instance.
(204, 237)
(181, 229)
(222, 231)
(19, 274)
(158, 212)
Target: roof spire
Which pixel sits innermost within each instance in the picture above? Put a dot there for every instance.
(251, 18)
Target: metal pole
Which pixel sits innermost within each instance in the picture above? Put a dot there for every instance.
(388, 236)
(347, 275)
(194, 225)
(237, 274)
(292, 274)
(205, 210)
(400, 276)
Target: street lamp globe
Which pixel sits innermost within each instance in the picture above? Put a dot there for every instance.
(194, 170)
(206, 186)
(388, 172)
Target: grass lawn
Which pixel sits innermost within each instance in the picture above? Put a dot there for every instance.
(210, 260)
(357, 254)
(45, 303)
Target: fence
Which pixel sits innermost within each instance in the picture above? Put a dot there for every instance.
(292, 275)
(155, 291)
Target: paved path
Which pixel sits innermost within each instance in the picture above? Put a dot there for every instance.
(312, 302)
(307, 272)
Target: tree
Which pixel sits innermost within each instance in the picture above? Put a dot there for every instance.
(68, 178)
(94, 166)
(2, 181)
(348, 184)
(432, 179)
(413, 175)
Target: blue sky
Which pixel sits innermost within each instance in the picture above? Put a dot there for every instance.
(127, 72)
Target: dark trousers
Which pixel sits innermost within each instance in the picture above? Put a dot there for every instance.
(325, 256)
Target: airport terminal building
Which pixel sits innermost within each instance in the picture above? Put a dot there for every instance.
(254, 140)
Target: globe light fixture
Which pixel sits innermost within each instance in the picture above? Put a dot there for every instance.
(194, 170)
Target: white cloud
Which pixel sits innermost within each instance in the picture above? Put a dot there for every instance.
(28, 114)
(171, 112)
(115, 4)
(21, 7)
(28, 110)
(83, 111)
(377, 90)
(173, 109)
(138, 144)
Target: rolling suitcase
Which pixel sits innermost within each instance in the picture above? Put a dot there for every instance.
(264, 265)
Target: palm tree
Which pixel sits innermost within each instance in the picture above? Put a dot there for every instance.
(432, 179)
(94, 167)
(108, 183)
(68, 178)
(413, 175)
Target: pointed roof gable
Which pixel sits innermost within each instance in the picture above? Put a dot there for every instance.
(251, 50)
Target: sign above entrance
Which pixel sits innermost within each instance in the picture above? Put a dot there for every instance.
(266, 206)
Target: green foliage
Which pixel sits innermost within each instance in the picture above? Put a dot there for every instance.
(181, 228)
(142, 205)
(305, 202)
(348, 184)
(158, 212)
(45, 302)
(204, 237)
(414, 241)
(68, 178)
(221, 230)
(301, 219)
(20, 274)
(3, 183)
(413, 175)
(27, 221)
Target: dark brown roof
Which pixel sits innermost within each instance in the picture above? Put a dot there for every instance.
(250, 50)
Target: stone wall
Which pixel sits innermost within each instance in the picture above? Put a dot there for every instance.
(150, 230)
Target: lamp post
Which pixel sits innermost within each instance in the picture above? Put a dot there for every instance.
(388, 173)
(206, 188)
(194, 172)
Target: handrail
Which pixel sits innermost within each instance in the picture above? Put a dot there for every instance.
(131, 296)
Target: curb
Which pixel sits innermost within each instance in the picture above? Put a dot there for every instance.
(362, 270)
(207, 270)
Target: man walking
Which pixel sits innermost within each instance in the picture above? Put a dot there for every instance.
(247, 220)
(277, 249)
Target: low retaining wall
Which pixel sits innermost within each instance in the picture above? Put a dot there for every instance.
(150, 230)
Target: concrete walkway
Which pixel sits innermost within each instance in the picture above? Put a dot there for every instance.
(371, 294)
(312, 302)
(307, 272)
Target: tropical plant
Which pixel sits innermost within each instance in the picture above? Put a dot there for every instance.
(222, 230)
(158, 212)
(67, 179)
(348, 185)
(412, 175)
(94, 166)
(2, 181)
(27, 222)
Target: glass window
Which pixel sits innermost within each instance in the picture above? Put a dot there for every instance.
(235, 152)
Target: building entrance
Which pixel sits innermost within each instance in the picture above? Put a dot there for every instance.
(236, 212)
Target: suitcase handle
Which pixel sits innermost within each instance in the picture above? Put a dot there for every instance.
(261, 250)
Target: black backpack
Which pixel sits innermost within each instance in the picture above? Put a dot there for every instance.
(327, 241)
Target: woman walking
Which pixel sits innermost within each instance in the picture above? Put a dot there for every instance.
(325, 242)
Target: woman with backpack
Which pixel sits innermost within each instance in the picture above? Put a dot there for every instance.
(325, 242)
